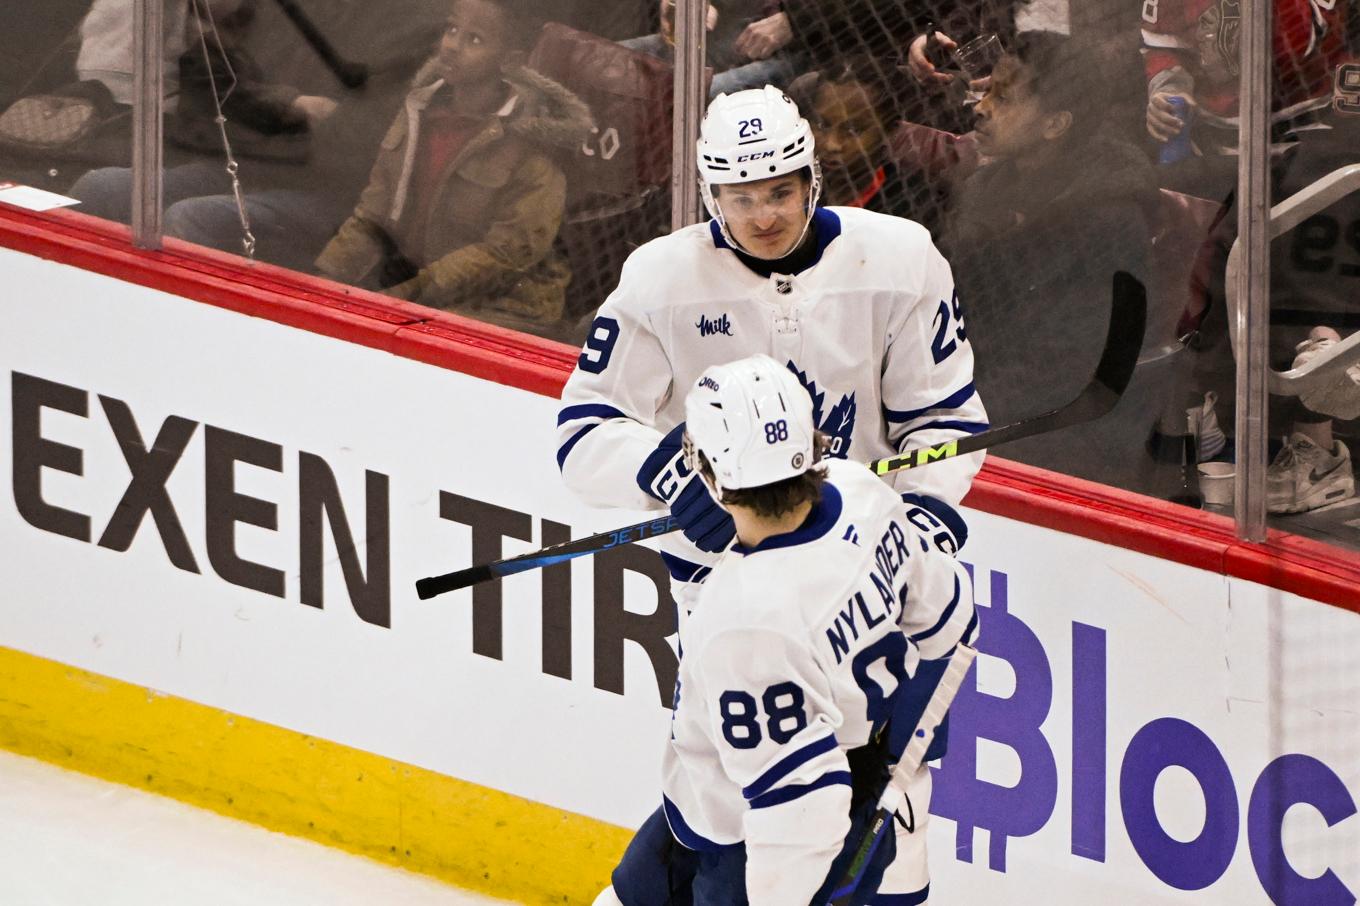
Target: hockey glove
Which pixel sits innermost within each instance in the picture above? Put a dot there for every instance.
(665, 476)
(909, 708)
(938, 521)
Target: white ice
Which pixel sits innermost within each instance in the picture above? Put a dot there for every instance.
(67, 839)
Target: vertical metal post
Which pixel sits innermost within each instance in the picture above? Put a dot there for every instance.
(148, 82)
(1252, 291)
(691, 39)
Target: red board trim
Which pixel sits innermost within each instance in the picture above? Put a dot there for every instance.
(1286, 562)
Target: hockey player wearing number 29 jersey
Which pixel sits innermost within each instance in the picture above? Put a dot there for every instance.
(808, 633)
(859, 305)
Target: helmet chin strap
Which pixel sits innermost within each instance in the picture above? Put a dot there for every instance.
(693, 460)
(814, 194)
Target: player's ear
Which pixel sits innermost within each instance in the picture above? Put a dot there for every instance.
(1057, 124)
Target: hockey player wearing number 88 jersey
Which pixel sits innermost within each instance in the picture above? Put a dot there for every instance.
(796, 683)
(859, 305)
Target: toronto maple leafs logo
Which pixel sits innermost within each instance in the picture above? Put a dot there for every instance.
(839, 423)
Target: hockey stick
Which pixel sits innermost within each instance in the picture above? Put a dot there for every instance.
(350, 74)
(1123, 342)
(910, 762)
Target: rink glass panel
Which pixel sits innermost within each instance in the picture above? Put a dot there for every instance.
(1314, 298)
(65, 98)
(381, 56)
(320, 83)
(1035, 224)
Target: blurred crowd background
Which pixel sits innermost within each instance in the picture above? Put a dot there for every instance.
(500, 158)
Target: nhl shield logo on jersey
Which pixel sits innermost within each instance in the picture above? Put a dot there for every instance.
(839, 423)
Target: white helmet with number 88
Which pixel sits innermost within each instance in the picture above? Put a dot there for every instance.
(752, 135)
(752, 420)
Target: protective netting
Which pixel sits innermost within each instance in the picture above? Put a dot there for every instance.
(1045, 145)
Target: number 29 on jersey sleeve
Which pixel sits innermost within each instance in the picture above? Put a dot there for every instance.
(599, 346)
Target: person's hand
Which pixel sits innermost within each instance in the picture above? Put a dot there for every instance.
(937, 520)
(763, 38)
(667, 11)
(919, 62)
(668, 20)
(666, 476)
(410, 290)
(1162, 122)
(315, 107)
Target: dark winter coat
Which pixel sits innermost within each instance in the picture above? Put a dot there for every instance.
(1034, 256)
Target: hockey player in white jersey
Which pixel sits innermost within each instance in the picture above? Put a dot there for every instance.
(799, 666)
(859, 305)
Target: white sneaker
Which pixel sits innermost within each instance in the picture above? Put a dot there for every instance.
(1305, 477)
(1340, 399)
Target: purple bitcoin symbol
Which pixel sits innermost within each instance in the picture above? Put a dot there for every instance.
(1014, 722)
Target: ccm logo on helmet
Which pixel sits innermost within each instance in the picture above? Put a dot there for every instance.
(758, 156)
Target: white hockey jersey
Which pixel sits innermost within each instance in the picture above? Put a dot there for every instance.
(788, 662)
(873, 328)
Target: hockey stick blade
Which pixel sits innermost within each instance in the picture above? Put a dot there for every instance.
(1123, 342)
(907, 765)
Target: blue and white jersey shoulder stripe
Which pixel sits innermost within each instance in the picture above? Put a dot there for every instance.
(956, 412)
(579, 421)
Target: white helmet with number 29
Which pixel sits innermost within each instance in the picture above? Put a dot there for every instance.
(751, 135)
(752, 419)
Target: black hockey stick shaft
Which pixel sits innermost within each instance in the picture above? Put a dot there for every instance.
(1123, 342)
(350, 74)
(913, 756)
(567, 550)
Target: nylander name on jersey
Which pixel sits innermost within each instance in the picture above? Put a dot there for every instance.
(793, 656)
(879, 596)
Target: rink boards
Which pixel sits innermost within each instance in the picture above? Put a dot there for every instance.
(214, 528)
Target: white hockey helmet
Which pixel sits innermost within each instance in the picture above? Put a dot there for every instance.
(752, 419)
(750, 135)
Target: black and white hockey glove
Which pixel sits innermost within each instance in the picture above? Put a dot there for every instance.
(939, 521)
(665, 476)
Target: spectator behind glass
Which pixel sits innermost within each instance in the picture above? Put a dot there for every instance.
(818, 33)
(274, 129)
(1191, 50)
(106, 40)
(940, 97)
(1315, 282)
(465, 200)
(852, 108)
(1034, 242)
(738, 62)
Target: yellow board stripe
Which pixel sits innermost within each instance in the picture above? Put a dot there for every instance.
(469, 835)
